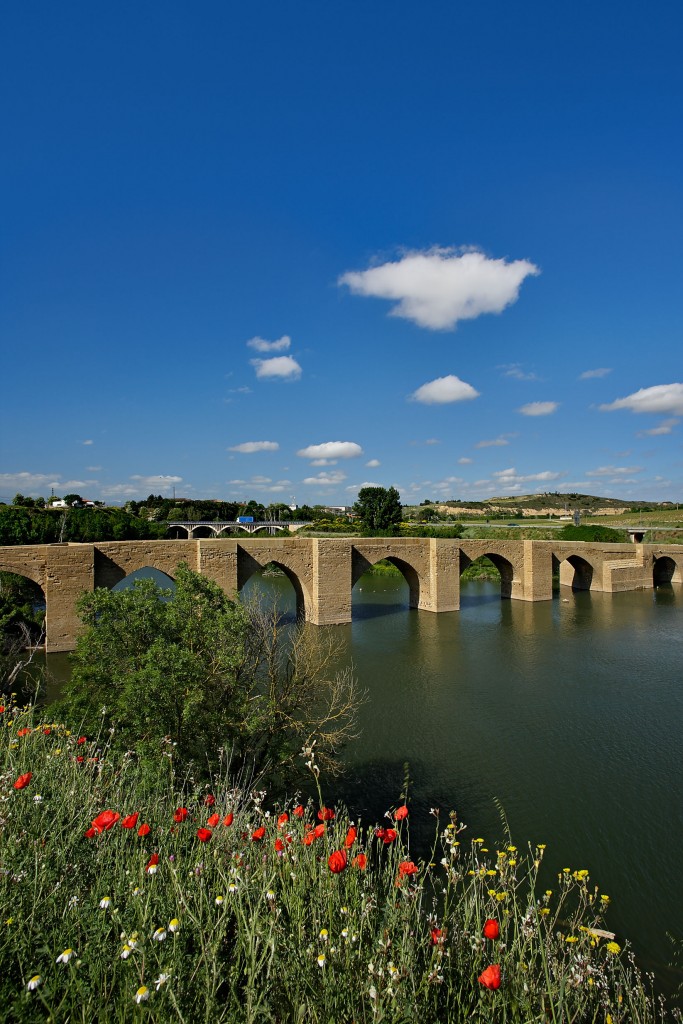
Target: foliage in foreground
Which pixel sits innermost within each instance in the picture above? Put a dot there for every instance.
(124, 901)
(202, 672)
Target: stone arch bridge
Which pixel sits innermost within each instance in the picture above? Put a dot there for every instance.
(323, 571)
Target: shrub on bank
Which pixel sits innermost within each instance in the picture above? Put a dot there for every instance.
(128, 900)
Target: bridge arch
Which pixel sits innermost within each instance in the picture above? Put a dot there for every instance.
(665, 570)
(502, 564)
(362, 562)
(161, 578)
(249, 565)
(574, 570)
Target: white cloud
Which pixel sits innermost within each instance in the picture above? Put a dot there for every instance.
(497, 442)
(335, 477)
(243, 390)
(284, 367)
(538, 408)
(665, 427)
(444, 390)
(330, 450)
(248, 447)
(439, 287)
(261, 345)
(616, 471)
(661, 398)
(93, 469)
(464, 462)
(373, 463)
(120, 491)
(29, 483)
(354, 488)
(87, 442)
(590, 374)
(157, 481)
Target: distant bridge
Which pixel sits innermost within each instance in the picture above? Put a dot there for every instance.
(208, 527)
(324, 571)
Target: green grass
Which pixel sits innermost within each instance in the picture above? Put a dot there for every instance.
(253, 925)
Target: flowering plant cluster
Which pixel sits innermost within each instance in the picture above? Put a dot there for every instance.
(174, 902)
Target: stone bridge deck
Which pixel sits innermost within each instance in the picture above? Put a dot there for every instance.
(324, 571)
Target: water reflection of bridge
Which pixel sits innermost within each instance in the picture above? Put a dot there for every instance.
(202, 528)
(324, 571)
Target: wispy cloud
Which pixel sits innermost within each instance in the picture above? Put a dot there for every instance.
(87, 442)
(249, 447)
(157, 481)
(615, 471)
(515, 371)
(497, 442)
(283, 367)
(261, 345)
(510, 478)
(373, 463)
(29, 483)
(539, 408)
(438, 287)
(464, 461)
(661, 398)
(665, 427)
(591, 374)
(444, 390)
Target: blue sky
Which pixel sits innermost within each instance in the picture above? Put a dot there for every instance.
(285, 250)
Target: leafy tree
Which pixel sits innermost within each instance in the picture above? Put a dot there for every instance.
(190, 675)
(71, 498)
(379, 509)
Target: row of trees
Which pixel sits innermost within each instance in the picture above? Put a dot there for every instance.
(23, 525)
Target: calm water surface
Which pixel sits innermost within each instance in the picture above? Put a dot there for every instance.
(567, 714)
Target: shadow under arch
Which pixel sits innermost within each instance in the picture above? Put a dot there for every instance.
(574, 572)
(23, 592)
(146, 572)
(249, 566)
(663, 571)
(503, 565)
(360, 564)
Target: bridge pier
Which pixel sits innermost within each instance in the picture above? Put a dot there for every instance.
(537, 574)
(69, 570)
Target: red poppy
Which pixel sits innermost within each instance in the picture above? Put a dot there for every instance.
(213, 820)
(80, 740)
(350, 838)
(80, 759)
(23, 780)
(491, 929)
(23, 732)
(400, 813)
(490, 978)
(2, 709)
(90, 833)
(258, 834)
(437, 937)
(387, 835)
(180, 814)
(360, 861)
(106, 820)
(130, 821)
(407, 867)
(282, 820)
(299, 811)
(144, 830)
(46, 732)
(209, 800)
(337, 861)
(229, 818)
(319, 831)
(204, 834)
(325, 814)
(279, 846)
(152, 864)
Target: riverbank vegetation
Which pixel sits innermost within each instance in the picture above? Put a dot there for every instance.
(129, 898)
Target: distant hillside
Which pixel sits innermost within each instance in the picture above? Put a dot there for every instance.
(553, 503)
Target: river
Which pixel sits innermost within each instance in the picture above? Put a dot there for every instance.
(566, 714)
